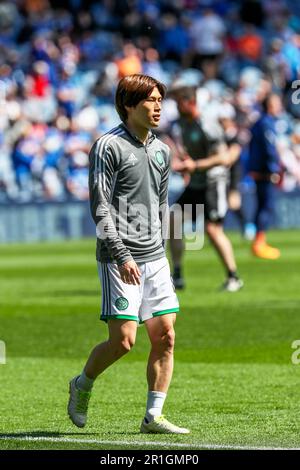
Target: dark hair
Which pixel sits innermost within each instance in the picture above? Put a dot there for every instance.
(184, 92)
(135, 88)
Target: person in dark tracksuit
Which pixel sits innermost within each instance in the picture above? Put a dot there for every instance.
(207, 161)
(264, 167)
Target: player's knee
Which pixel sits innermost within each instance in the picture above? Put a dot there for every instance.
(213, 230)
(126, 344)
(170, 340)
(123, 346)
(210, 230)
(165, 341)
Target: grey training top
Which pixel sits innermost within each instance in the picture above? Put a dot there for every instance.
(128, 184)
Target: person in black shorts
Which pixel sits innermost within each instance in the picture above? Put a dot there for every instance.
(234, 142)
(207, 161)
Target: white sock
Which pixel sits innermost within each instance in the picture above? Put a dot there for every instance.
(84, 383)
(155, 404)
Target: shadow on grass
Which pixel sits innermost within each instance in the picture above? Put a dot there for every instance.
(109, 435)
(43, 434)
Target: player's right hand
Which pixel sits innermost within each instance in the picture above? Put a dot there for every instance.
(130, 273)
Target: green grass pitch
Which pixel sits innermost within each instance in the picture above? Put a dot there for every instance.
(234, 383)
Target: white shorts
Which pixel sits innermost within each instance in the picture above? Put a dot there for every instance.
(153, 297)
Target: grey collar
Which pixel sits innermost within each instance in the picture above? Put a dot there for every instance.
(150, 139)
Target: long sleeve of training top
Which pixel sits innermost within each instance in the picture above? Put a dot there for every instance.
(103, 170)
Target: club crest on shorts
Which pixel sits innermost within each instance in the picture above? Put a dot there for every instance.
(159, 158)
(121, 303)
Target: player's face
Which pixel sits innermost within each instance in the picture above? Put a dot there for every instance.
(275, 106)
(147, 112)
(185, 105)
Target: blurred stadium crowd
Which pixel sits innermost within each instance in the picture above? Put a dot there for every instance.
(60, 62)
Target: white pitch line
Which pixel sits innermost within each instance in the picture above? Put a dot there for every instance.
(141, 443)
